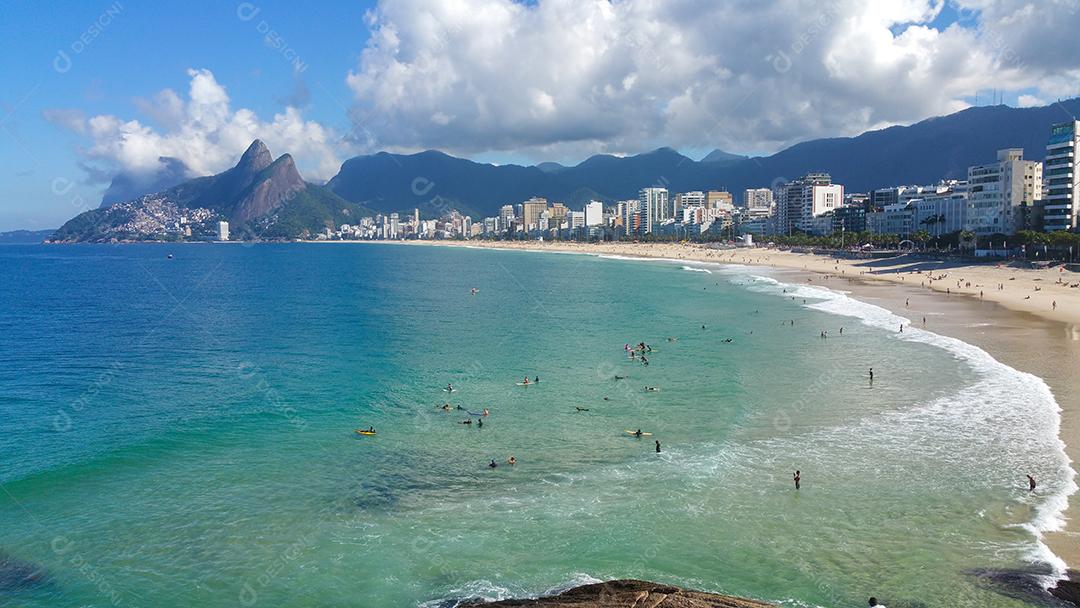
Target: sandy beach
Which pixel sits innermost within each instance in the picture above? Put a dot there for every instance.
(1028, 319)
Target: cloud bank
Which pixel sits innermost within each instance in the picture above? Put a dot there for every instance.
(577, 76)
(203, 131)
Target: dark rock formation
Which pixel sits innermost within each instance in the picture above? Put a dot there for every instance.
(631, 594)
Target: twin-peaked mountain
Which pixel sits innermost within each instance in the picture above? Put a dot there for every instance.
(260, 197)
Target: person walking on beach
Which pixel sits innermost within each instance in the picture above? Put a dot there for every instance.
(797, 477)
(1031, 483)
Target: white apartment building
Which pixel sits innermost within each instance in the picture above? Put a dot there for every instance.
(223, 231)
(809, 196)
(594, 213)
(653, 205)
(998, 191)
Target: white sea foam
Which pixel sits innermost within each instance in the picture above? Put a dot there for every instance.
(993, 401)
(692, 269)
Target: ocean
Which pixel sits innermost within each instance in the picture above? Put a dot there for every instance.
(180, 431)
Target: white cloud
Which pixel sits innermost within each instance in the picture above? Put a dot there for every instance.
(581, 76)
(203, 131)
(1030, 101)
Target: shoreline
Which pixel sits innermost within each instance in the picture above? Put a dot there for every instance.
(1029, 338)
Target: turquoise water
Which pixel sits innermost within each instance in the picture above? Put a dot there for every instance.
(178, 432)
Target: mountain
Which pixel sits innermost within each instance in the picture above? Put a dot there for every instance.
(22, 237)
(719, 156)
(922, 153)
(126, 186)
(260, 197)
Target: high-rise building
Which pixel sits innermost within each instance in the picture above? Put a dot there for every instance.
(1062, 182)
(223, 231)
(687, 199)
(653, 205)
(720, 200)
(594, 213)
(804, 199)
(395, 226)
(531, 211)
(758, 202)
(997, 193)
(557, 214)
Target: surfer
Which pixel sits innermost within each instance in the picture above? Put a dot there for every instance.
(581, 409)
(449, 388)
(797, 477)
(874, 604)
(479, 422)
(446, 407)
(618, 377)
(493, 464)
(466, 421)
(486, 412)
(537, 380)
(657, 447)
(511, 461)
(729, 340)
(526, 380)
(638, 433)
(1031, 483)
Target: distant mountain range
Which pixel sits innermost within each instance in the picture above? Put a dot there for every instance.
(923, 153)
(268, 198)
(260, 197)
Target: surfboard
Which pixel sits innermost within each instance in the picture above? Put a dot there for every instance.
(449, 390)
(524, 383)
(360, 432)
(634, 433)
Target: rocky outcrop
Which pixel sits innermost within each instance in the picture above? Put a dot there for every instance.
(268, 190)
(631, 594)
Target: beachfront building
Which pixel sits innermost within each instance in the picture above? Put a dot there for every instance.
(531, 210)
(223, 231)
(804, 199)
(594, 213)
(997, 193)
(720, 201)
(687, 199)
(758, 202)
(1062, 184)
(849, 218)
(894, 218)
(653, 206)
(940, 214)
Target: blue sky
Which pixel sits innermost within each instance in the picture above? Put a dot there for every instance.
(493, 80)
(146, 47)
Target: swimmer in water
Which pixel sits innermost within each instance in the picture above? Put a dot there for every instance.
(511, 461)
(493, 464)
(797, 477)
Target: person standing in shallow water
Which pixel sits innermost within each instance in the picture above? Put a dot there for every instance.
(657, 447)
(1031, 483)
(797, 477)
